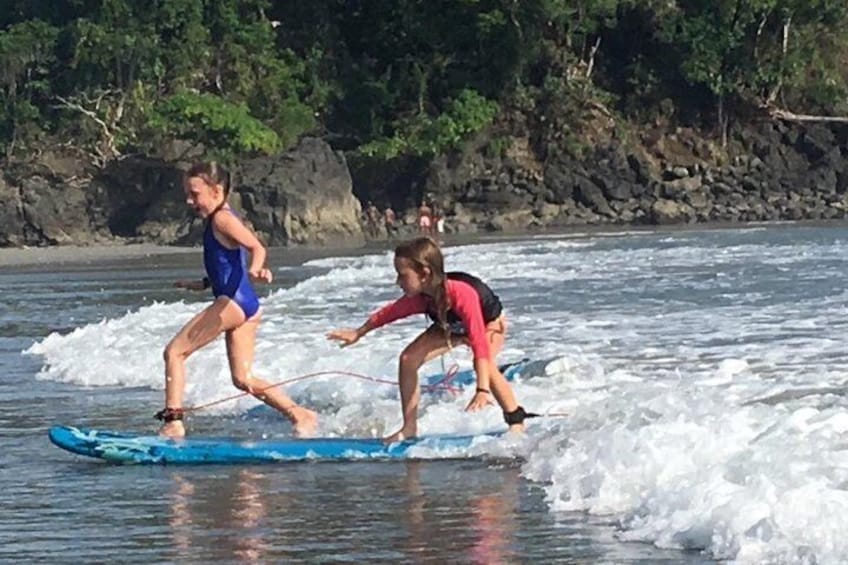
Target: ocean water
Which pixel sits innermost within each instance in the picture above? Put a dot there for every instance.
(702, 376)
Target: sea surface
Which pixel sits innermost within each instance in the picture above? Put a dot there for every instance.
(692, 384)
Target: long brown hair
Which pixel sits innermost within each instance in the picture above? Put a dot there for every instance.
(212, 173)
(424, 252)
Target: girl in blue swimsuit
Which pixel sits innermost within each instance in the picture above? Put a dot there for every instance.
(235, 311)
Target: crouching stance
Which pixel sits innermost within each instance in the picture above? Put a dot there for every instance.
(464, 310)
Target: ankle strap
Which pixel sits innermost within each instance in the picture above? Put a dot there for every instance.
(518, 416)
(169, 414)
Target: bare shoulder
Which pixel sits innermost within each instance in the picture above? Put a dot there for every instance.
(225, 221)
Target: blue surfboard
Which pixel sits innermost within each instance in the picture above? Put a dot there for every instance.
(464, 378)
(119, 447)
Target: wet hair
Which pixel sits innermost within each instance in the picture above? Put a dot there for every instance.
(212, 173)
(424, 252)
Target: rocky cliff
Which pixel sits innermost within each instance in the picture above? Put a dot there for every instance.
(301, 197)
(770, 171)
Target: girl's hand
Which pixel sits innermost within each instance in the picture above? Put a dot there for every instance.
(262, 275)
(480, 401)
(345, 335)
(189, 285)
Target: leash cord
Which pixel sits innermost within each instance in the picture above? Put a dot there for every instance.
(443, 384)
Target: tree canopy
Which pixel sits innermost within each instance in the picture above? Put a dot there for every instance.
(389, 78)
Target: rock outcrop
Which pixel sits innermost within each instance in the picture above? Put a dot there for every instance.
(301, 197)
(304, 196)
(771, 171)
(779, 172)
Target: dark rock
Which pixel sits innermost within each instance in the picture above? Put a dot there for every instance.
(132, 193)
(621, 190)
(55, 214)
(640, 169)
(591, 196)
(560, 182)
(11, 216)
(304, 196)
(784, 171)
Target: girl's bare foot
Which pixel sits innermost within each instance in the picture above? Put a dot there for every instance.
(401, 435)
(174, 429)
(304, 421)
(516, 429)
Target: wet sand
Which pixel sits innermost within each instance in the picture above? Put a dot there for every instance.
(39, 259)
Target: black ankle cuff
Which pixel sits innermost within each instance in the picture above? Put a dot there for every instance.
(518, 416)
(169, 414)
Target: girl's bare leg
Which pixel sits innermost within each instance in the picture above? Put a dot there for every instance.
(241, 342)
(220, 316)
(425, 347)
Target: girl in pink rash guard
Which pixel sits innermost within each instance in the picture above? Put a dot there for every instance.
(464, 310)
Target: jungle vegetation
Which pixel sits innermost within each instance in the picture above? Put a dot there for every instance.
(390, 78)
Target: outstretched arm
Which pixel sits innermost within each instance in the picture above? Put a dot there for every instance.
(401, 308)
(349, 336)
(193, 284)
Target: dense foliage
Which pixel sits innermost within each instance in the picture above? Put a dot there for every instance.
(394, 78)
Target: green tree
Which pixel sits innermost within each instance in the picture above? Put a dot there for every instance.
(26, 58)
(714, 35)
(227, 130)
(396, 66)
(247, 67)
(114, 63)
(750, 50)
(799, 53)
(423, 136)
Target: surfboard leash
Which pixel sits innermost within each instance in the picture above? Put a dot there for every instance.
(443, 384)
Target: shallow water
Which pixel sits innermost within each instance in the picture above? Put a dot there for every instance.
(703, 374)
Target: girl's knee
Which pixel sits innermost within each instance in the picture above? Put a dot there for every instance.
(241, 382)
(410, 359)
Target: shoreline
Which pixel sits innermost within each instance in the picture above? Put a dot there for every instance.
(66, 255)
(42, 258)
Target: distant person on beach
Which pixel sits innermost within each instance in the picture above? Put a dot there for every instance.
(439, 221)
(373, 220)
(425, 219)
(390, 221)
(235, 310)
(464, 311)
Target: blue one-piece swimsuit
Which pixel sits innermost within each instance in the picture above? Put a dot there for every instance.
(227, 272)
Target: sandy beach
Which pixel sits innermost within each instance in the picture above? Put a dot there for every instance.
(102, 256)
(45, 258)
(63, 255)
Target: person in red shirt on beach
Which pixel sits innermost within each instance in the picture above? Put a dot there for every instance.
(464, 310)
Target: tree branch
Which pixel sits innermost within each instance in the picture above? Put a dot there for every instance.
(786, 115)
(591, 63)
(106, 150)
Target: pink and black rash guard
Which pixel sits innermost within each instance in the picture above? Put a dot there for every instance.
(472, 306)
